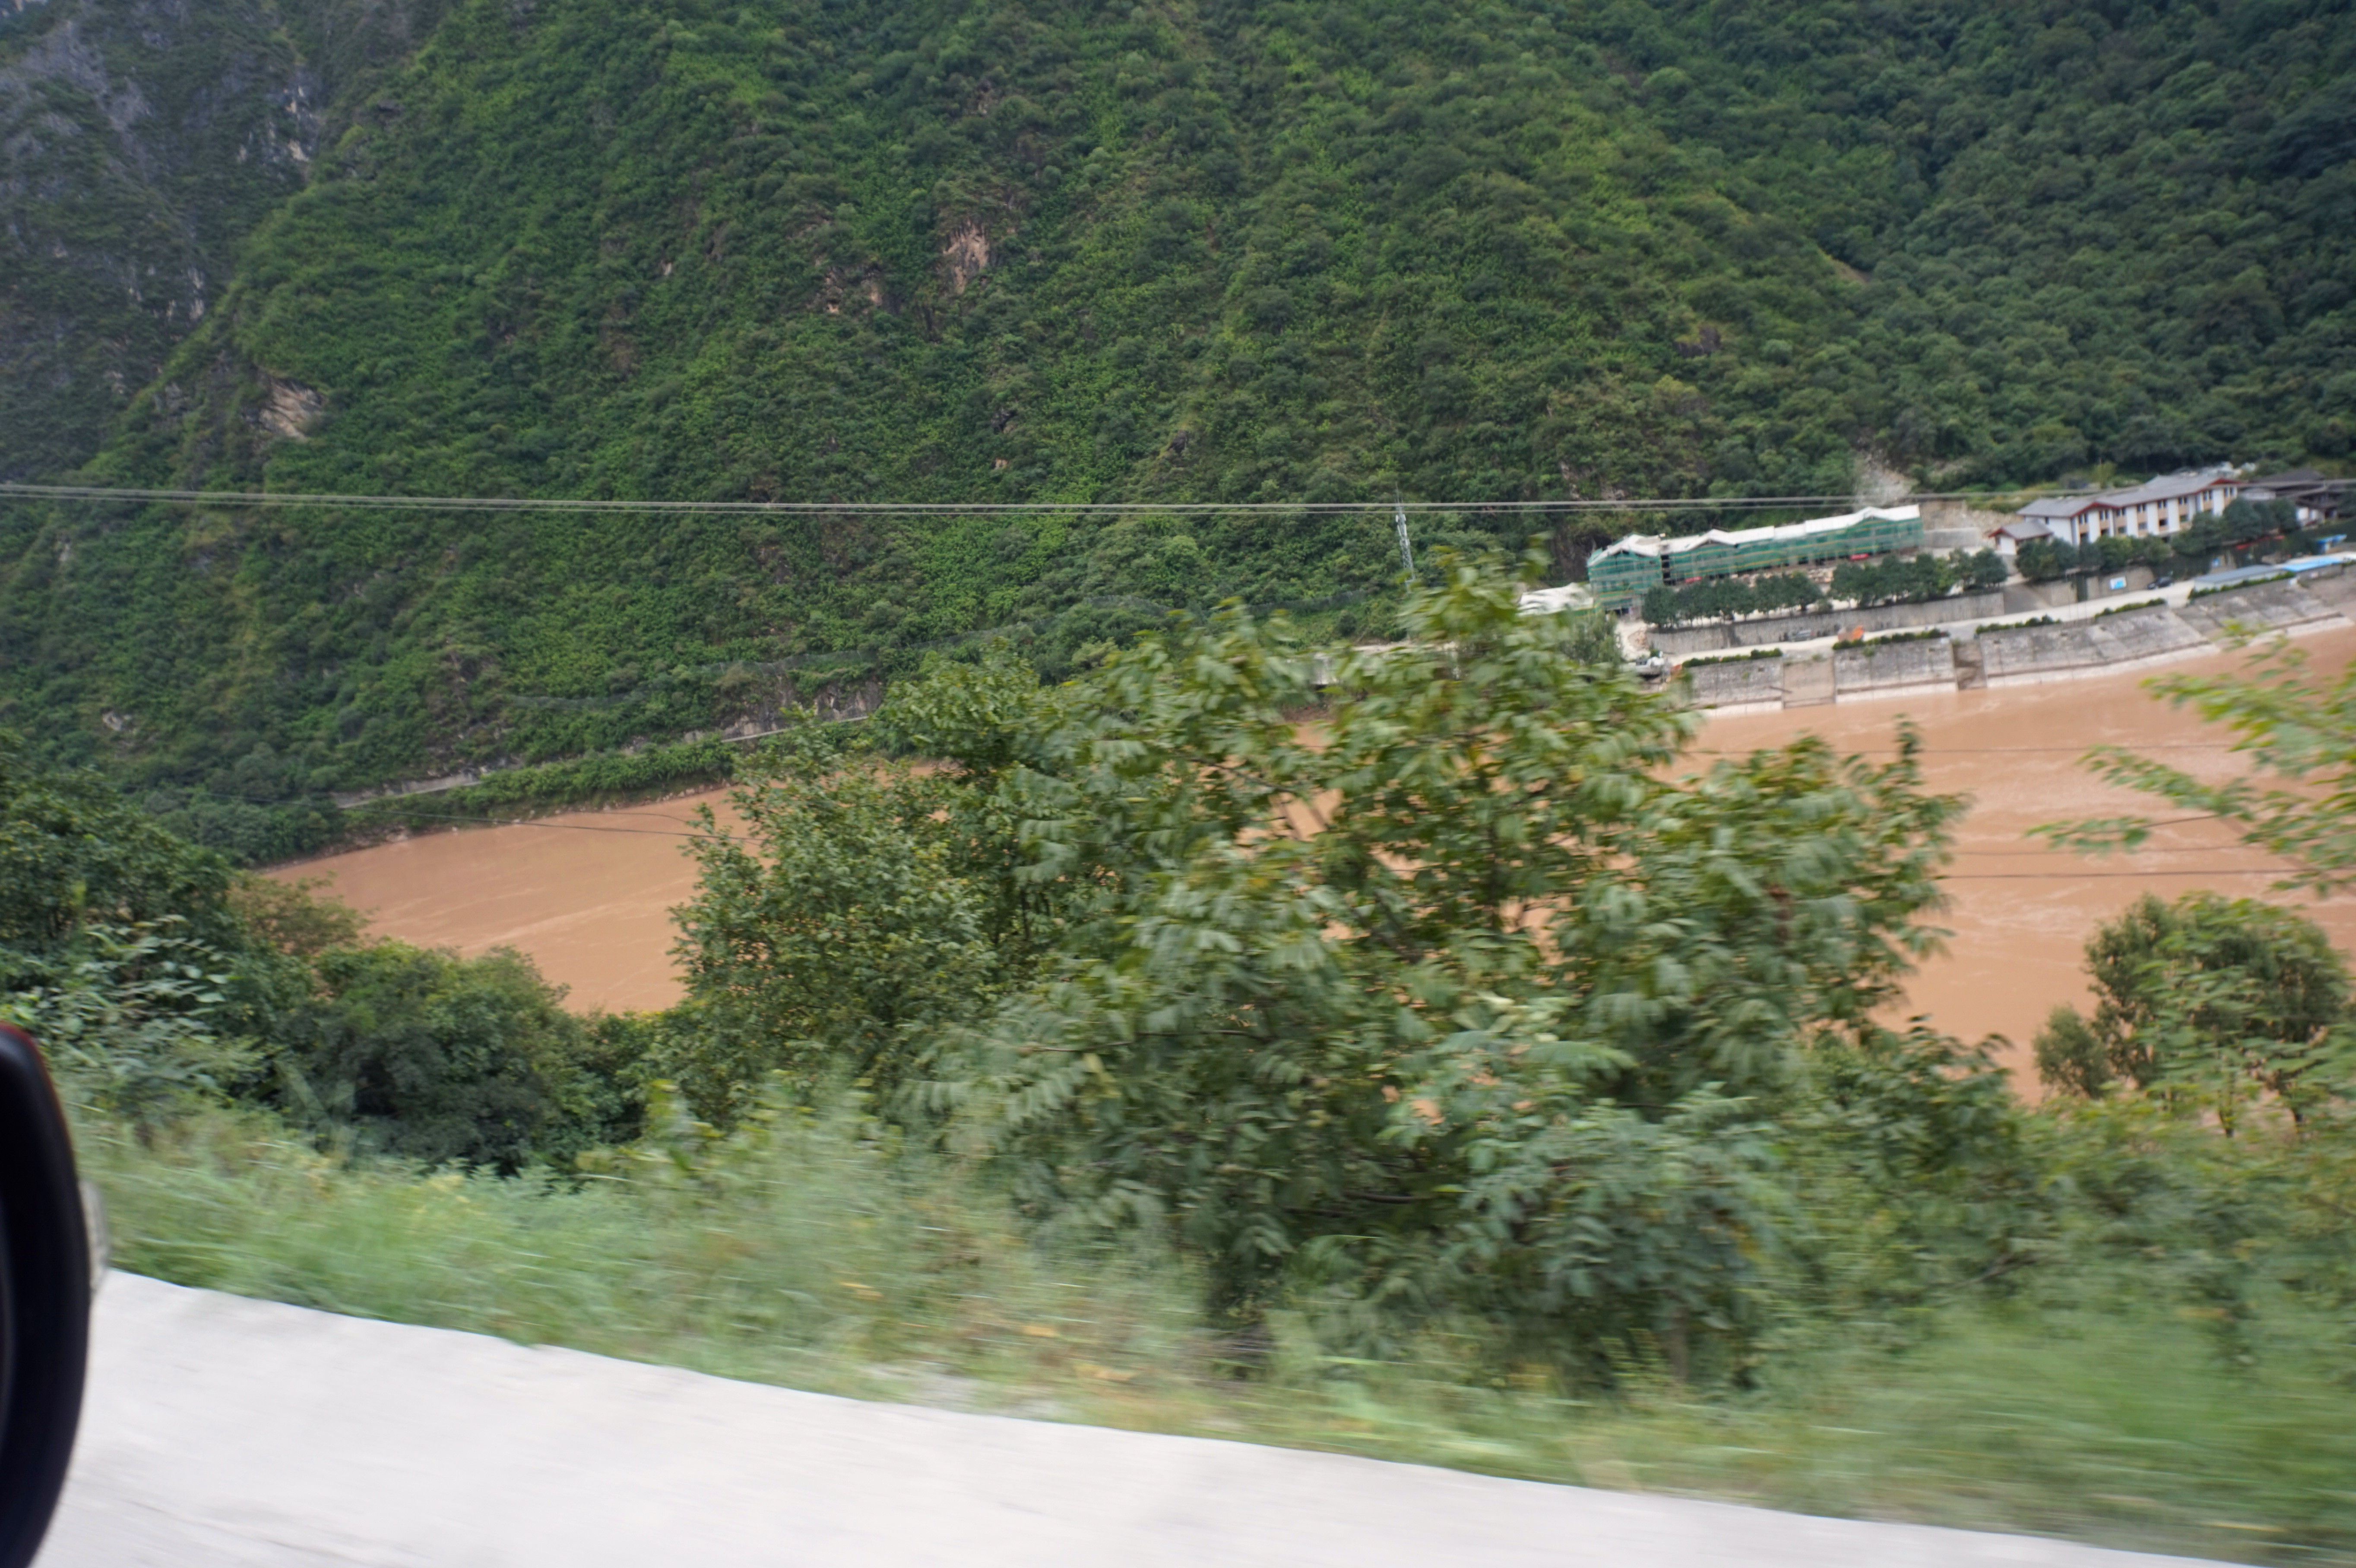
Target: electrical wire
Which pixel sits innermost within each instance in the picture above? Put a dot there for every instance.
(94, 493)
(1984, 750)
(2080, 876)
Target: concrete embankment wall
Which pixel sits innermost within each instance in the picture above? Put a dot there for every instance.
(2018, 655)
(2262, 607)
(2026, 655)
(2334, 585)
(1738, 686)
(1893, 669)
(1715, 638)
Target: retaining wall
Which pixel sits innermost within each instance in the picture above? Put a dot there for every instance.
(1749, 683)
(2023, 598)
(1894, 669)
(2333, 585)
(2261, 607)
(1808, 682)
(2026, 655)
(2022, 654)
(1722, 635)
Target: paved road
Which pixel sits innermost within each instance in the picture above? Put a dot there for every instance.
(223, 1433)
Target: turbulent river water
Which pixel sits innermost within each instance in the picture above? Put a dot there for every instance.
(588, 895)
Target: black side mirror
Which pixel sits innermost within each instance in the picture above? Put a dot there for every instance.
(45, 1290)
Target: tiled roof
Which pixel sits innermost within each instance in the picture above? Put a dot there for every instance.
(2168, 487)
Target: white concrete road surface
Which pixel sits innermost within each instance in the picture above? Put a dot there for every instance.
(222, 1432)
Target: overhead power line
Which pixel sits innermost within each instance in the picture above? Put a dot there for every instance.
(94, 493)
(1984, 750)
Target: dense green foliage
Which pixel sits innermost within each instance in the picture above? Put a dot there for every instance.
(847, 919)
(429, 1057)
(2207, 1003)
(73, 853)
(1913, 580)
(158, 978)
(1310, 251)
(1450, 1004)
(139, 146)
(1724, 598)
(1455, 1008)
(2297, 799)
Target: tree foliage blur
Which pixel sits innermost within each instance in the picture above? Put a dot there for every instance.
(1450, 1000)
(2294, 730)
(2207, 1003)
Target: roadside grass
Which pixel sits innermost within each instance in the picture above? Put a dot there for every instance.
(812, 1257)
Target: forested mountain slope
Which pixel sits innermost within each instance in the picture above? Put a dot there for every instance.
(1312, 250)
(139, 142)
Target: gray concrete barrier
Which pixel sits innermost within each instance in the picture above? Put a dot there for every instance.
(1894, 669)
(2261, 607)
(2020, 655)
(1740, 685)
(2334, 585)
(1722, 636)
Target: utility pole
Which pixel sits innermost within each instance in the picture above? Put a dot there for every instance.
(1406, 551)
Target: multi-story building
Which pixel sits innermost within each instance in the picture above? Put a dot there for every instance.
(2317, 499)
(2162, 506)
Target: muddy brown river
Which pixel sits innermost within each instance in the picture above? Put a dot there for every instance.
(588, 895)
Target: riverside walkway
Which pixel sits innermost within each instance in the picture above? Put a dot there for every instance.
(223, 1433)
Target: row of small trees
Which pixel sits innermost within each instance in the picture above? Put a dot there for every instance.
(1891, 580)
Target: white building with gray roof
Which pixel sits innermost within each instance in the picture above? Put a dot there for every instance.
(2160, 506)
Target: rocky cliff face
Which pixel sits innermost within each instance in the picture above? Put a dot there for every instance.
(139, 140)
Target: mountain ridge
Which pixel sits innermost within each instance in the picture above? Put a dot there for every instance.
(1200, 252)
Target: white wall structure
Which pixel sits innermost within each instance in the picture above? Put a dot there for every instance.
(2159, 507)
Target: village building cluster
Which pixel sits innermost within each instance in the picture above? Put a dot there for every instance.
(2166, 506)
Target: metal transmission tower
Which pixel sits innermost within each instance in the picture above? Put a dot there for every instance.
(1406, 551)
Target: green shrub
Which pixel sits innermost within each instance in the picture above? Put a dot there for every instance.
(426, 1056)
(2216, 589)
(2206, 1003)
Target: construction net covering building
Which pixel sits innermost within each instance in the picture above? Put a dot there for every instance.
(1621, 573)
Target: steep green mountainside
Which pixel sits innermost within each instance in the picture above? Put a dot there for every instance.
(1302, 251)
(139, 143)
